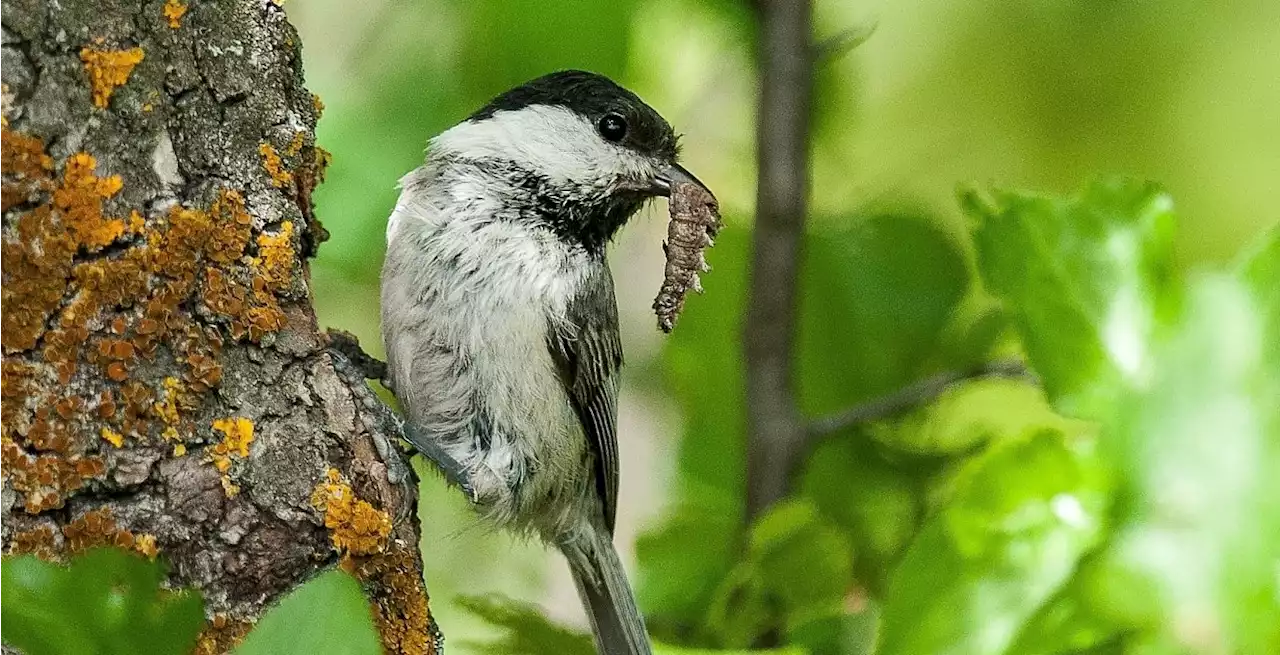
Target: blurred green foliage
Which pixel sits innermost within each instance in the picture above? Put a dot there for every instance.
(327, 614)
(993, 519)
(107, 602)
(111, 602)
(1129, 504)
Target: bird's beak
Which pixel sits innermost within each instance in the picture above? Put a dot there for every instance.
(671, 176)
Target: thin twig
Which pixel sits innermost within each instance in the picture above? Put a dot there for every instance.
(842, 43)
(775, 428)
(912, 396)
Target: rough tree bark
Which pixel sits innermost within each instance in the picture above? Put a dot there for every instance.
(165, 387)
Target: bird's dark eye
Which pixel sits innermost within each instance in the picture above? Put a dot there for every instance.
(613, 127)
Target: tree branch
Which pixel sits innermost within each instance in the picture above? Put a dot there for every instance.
(165, 385)
(912, 396)
(775, 429)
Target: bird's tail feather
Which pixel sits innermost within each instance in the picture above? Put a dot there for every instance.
(602, 584)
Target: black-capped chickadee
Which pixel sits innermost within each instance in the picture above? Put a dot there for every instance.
(499, 317)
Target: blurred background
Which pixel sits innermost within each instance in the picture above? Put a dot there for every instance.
(1039, 94)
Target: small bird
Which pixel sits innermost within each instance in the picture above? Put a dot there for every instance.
(500, 322)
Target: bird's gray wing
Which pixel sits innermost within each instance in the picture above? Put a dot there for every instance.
(588, 353)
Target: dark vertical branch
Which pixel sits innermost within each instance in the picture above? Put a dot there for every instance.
(775, 428)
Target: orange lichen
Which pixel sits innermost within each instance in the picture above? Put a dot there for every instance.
(318, 104)
(221, 635)
(203, 372)
(112, 437)
(97, 528)
(41, 541)
(79, 200)
(276, 256)
(26, 167)
(46, 435)
(45, 480)
(108, 69)
(355, 527)
(400, 606)
(17, 384)
(274, 166)
(76, 317)
(173, 11)
(295, 144)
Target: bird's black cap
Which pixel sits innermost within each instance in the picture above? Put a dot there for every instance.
(593, 96)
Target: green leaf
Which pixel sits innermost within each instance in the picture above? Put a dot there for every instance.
(803, 560)
(1087, 279)
(740, 613)
(328, 614)
(835, 631)
(1022, 515)
(874, 502)
(1070, 622)
(1199, 451)
(107, 601)
(1259, 269)
(967, 415)
(796, 572)
(684, 562)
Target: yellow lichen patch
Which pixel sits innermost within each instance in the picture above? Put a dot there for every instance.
(146, 544)
(401, 610)
(318, 104)
(221, 635)
(356, 527)
(112, 437)
(274, 166)
(295, 144)
(107, 70)
(79, 202)
(237, 435)
(174, 11)
(276, 256)
(180, 450)
(6, 104)
(167, 408)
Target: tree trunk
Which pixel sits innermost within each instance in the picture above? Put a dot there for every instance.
(165, 387)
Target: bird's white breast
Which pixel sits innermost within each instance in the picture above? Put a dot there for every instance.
(468, 302)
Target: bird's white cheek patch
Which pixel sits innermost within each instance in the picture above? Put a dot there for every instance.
(553, 141)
